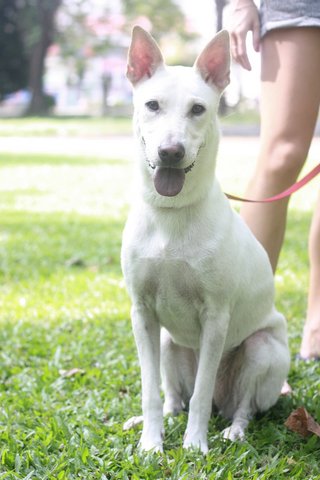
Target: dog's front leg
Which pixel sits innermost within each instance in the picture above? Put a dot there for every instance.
(211, 348)
(146, 330)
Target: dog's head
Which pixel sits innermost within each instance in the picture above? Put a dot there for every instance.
(175, 113)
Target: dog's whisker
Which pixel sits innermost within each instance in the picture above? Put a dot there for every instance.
(190, 167)
(150, 164)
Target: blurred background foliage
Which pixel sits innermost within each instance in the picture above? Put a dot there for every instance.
(80, 30)
(28, 29)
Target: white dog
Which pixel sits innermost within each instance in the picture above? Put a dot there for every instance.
(201, 285)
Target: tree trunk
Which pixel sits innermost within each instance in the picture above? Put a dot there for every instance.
(220, 4)
(46, 10)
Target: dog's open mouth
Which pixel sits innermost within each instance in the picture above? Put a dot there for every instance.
(169, 181)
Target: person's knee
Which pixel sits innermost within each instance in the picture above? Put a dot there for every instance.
(284, 161)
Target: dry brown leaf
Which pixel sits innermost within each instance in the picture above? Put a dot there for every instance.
(300, 421)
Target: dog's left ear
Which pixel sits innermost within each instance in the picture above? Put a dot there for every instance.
(213, 63)
(144, 56)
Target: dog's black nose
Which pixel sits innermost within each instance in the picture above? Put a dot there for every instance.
(171, 154)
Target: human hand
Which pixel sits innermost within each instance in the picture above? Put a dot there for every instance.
(244, 18)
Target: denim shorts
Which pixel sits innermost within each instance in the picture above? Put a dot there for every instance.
(289, 13)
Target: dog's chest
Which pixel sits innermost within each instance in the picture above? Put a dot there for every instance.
(170, 269)
(173, 290)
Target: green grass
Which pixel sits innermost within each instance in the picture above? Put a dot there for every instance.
(63, 306)
(75, 126)
(65, 126)
(237, 117)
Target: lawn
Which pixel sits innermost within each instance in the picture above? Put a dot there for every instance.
(75, 126)
(69, 374)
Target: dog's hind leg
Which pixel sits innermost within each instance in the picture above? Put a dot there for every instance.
(250, 380)
(240, 420)
(178, 371)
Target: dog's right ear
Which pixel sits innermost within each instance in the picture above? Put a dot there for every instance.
(144, 56)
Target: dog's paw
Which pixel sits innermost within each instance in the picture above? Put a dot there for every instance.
(171, 408)
(150, 445)
(196, 443)
(234, 433)
(133, 422)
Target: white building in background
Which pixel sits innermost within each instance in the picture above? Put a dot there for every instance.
(102, 75)
(104, 87)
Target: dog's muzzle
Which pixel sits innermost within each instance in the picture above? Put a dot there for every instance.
(170, 155)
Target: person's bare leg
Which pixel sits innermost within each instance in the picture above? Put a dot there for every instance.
(290, 95)
(310, 347)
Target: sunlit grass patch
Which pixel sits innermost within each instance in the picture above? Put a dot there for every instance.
(45, 183)
(64, 126)
(69, 373)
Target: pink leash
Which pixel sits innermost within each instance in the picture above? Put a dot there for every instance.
(286, 193)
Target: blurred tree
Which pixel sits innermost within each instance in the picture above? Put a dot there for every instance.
(165, 15)
(27, 29)
(81, 35)
(220, 4)
(37, 27)
(13, 62)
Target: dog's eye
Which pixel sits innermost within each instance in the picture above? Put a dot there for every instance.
(153, 105)
(197, 109)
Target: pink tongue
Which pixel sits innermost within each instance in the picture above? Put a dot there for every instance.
(169, 181)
